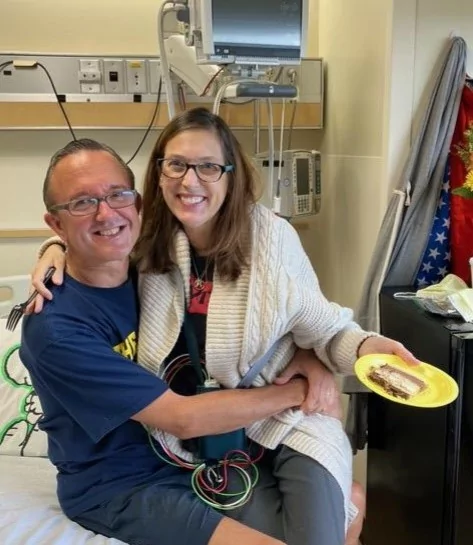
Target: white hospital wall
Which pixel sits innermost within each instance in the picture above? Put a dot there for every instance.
(107, 27)
(380, 55)
(24, 156)
(90, 27)
(436, 21)
(421, 31)
(353, 40)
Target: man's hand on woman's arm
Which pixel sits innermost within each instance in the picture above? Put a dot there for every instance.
(323, 395)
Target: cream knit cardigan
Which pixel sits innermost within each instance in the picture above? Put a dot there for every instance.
(277, 298)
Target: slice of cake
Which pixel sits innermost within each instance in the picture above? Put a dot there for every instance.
(396, 382)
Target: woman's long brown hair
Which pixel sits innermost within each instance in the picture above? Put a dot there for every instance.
(229, 246)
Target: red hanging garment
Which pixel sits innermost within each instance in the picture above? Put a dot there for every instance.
(461, 209)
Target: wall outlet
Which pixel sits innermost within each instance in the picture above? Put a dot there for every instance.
(136, 76)
(114, 76)
(90, 88)
(89, 64)
(90, 76)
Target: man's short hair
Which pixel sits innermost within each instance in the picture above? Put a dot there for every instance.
(76, 146)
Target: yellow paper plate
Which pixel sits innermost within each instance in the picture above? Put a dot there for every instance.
(441, 388)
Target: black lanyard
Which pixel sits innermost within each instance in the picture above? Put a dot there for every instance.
(192, 345)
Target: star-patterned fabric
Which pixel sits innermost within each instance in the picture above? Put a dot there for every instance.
(435, 263)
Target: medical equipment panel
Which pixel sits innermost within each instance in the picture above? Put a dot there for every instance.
(296, 183)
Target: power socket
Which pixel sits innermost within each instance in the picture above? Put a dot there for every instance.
(90, 88)
(90, 76)
(136, 76)
(114, 76)
(89, 64)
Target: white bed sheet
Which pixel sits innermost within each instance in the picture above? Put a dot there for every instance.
(29, 510)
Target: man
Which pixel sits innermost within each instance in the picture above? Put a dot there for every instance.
(80, 352)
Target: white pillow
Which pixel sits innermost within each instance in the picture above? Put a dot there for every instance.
(20, 409)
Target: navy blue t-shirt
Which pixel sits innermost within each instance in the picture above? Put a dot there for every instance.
(79, 351)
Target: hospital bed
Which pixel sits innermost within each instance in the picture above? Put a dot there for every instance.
(29, 510)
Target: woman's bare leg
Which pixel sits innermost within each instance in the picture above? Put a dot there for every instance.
(231, 532)
(358, 497)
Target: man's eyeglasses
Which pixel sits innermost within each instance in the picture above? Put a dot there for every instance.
(90, 205)
(206, 172)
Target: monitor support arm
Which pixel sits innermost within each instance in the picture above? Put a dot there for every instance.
(182, 61)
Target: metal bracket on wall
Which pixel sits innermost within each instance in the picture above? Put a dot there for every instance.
(123, 88)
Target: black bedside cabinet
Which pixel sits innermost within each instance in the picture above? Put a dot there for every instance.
(420, 461)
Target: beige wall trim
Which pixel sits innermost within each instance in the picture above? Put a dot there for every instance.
(25, 233)
(18, 115)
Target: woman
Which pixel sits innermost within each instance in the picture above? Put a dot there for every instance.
(241, 273)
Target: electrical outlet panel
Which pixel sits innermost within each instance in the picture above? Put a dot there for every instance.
(90, 76)
(90, 88)
(108, 78)
(154, 66)
(89, 64)
(136, 76)
(114, 76)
